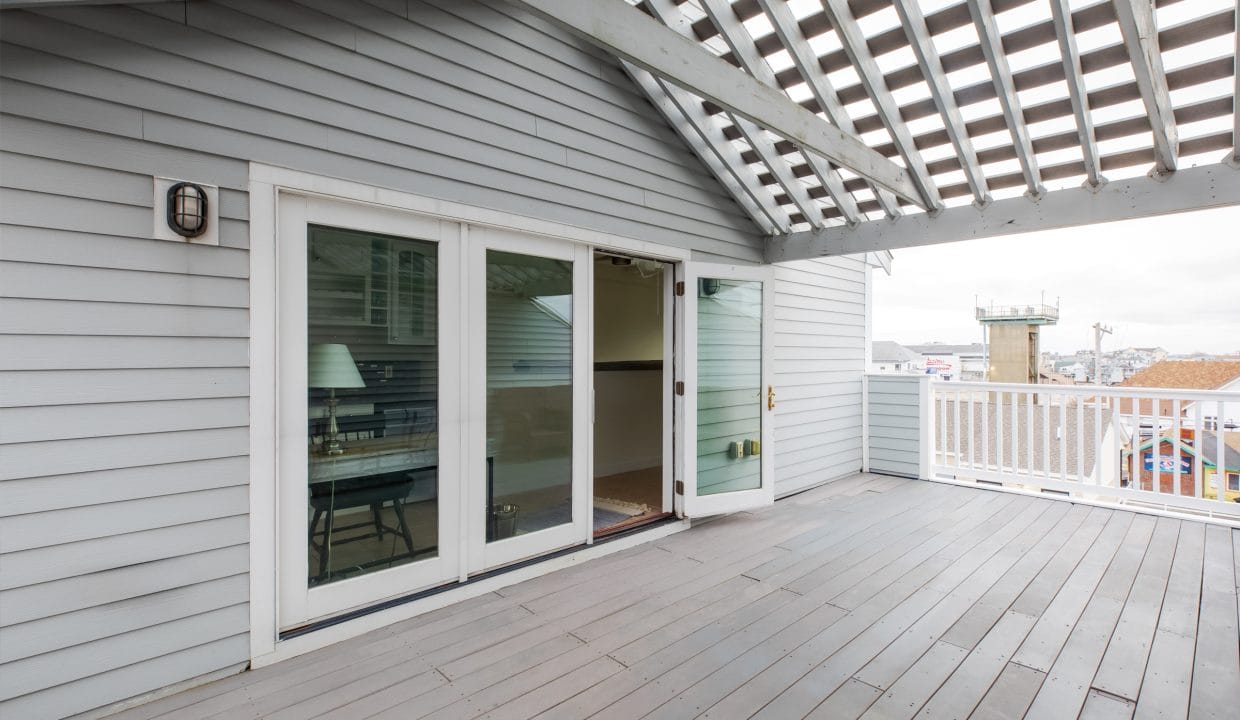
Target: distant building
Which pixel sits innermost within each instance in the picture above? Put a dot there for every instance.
(952, 362)
(1163, 464)
(1187, 375)
(892, 357)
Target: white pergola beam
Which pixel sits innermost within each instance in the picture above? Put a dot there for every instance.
(806, 63)
(1001, 73)
(720, 157)
(1061, 15)
(628, 33)
(1199, 188)
(922, 44)
(744, 50)
(871, 76)
(1140, 32)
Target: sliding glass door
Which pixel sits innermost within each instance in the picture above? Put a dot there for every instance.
(368, 382)
(529, 329)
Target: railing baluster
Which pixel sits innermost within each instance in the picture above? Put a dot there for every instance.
(1097, 438)
(985, 431)
(1156, 440)
(1113, 405)
(1199, 447)
(956, 426)
(1046, 435)
(1220, 464)
(1029, 431)
(999, 431)
(1135, 460)
(942, 400)
(972, 444)
(1015, 433)
(1061, 437)
(1175, 435)
(1080, 439)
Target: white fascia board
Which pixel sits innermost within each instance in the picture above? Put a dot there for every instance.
(630, 34)
(1200, 188)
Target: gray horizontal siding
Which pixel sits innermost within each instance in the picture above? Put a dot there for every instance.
(819, 359)
(124, 361)
(895, 425)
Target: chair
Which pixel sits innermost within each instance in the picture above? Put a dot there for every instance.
(373, 492)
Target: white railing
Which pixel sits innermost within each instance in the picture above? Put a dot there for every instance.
(1078, 440)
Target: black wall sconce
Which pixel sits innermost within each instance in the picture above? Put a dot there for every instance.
(187, 209)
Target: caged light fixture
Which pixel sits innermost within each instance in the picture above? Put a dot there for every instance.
(187, 209)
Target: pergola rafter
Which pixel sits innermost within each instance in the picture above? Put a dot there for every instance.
(1136, 24)
(920, 41)
(669, 14)
(1077, 94)
(1005, 91)
(984, 126)
(806, 63)
(741, 44)
(853, 40)
(708, 142)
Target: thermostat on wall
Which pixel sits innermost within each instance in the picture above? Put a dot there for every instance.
(186, 211)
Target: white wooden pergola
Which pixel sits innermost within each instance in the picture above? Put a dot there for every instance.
(852, 126)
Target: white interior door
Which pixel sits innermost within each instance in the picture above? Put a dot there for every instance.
(368, 405)
(529, 383)
(727, 421)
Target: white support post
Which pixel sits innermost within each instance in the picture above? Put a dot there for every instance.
(925, 395)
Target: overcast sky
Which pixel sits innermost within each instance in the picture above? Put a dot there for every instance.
(1171, 281)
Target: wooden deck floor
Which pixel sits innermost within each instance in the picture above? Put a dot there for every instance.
(870, 597)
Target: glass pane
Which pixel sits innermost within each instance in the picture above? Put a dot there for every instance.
(373, 406)
(529, 394)
(729, 399)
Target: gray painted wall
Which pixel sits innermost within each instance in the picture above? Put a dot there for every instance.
(895, 425)
(819, 361)
(123, 366)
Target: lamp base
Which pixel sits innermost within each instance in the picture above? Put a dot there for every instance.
(333, 447)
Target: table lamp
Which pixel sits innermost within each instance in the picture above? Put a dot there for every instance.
(331, 367)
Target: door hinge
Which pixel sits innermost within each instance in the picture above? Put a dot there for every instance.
(680, 387)
(680, 288)
(680, 487)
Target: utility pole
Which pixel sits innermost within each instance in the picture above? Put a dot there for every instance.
(1099, 331)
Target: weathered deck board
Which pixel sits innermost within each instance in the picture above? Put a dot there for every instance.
(872, 596)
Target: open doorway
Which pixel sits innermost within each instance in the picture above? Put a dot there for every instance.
(631, 351)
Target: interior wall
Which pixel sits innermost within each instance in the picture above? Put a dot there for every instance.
(628, 328)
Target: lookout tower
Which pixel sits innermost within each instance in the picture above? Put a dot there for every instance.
(1013, 340)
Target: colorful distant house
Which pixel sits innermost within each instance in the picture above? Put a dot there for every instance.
(1163, 464)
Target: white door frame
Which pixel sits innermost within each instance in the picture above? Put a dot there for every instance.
(694, 505)
(485, 555)
(266, 184)
(299, 603)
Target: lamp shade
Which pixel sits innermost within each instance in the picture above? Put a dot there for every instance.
(332, 366)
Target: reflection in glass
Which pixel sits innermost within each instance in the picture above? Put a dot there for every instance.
(372, 403)
(529, 393)
(729, 370)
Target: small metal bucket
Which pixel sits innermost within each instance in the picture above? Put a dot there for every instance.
(502, 521)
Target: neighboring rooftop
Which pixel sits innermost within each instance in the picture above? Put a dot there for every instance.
(1186, 374)
(886, 351)
(945, 349)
